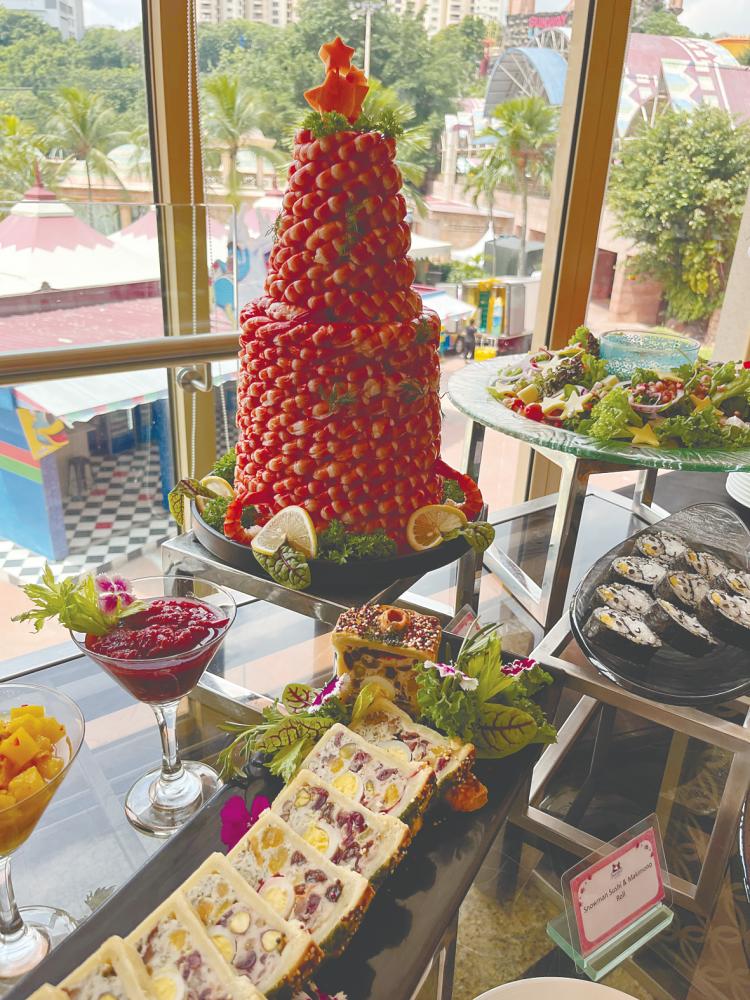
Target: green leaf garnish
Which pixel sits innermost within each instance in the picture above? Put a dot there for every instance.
(286, 566)
(186, 489)
(75, 603)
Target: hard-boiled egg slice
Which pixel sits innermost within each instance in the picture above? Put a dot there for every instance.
(225, 943)
(278, 892)
(349, 784)
(323, 838)
(168, 984)
(397, 748)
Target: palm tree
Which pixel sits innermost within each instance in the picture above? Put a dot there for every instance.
(524, 134)
(21, 156)
(83, 126)
(238, 119)
(413, 143)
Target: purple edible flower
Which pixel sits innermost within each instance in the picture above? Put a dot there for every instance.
(236, 820)
(465, 682)
(114, 593)
(311, 992)
(518, 666)
(331, 690)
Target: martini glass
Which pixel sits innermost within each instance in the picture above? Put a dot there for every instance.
(26, 935)
(165, 798)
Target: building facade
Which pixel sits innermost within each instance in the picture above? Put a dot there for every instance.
(65, 15)
(278, 13)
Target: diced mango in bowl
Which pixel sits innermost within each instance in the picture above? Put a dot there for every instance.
(28, 757)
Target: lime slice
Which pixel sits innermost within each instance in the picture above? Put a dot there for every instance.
(429, 525)
(292, 525)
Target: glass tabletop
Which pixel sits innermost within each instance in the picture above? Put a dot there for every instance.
(468, 391)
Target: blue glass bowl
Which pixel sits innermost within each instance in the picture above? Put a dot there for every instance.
(626, 350)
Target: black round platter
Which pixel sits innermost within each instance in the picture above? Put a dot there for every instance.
(331, 576)
(671, 676)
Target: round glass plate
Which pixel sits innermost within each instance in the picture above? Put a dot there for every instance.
(670, 676)
(468, 391)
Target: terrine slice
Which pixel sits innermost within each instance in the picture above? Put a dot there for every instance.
(300, 883)
(344, 832)
(114, 970)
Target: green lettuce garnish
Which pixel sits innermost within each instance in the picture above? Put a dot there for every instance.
(286, 566)
(482, 702)
(610, 417)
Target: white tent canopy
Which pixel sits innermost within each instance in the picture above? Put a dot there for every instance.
(423, 248)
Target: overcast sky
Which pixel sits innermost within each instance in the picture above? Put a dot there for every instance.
(716, 16)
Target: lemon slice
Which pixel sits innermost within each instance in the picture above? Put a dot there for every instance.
(428, 525)
(218, 486)
(292, 525)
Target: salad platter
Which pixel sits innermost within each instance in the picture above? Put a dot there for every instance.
(666, 613)
(696, 418)
(286, 873)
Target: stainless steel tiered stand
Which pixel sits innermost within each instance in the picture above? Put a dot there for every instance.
(579, 457)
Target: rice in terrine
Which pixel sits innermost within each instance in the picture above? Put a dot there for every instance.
(684, 589)
(727, 616)
(661, 545)
(623, 597)
(622, 633)
(679, 628)
(638, 570)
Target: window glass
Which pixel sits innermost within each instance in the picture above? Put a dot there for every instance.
(679, 178)
(85, 468)
(479, 103)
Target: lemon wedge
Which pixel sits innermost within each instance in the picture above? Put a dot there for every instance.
(218, 486)
(428, 526)
(292, 525)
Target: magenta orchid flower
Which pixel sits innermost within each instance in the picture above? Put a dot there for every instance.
(114, 593)
(331, 690)
(236, 819)
(518, 666)
(465, 682)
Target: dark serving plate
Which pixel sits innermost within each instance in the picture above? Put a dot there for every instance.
(405, 922)
(671, 676)
(329, 575)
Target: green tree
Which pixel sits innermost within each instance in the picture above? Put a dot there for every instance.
(678, 192)
(662, 22)
(524, 134)
(744, 57)
(83, 127)
(235, 118)
(21, 155)
(413, 148)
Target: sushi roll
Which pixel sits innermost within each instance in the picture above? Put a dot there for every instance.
(705, 564)
(734, 581)
(727, 616)
(679, 629)
(623, 597)
(636, 569)
(684, 589)
(624, 634)
(372, 776)
(662, 546)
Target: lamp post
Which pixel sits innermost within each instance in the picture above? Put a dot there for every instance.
(368, 7)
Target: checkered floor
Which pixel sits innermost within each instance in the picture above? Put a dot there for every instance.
(120, 518)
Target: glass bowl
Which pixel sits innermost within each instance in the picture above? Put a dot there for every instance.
(626, 350)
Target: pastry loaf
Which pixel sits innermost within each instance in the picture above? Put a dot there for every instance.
(254, 939)
(181, 959)
(344, 832)
(297, 881)
(371, 776)
(381, 643)
(389, 727)
(114, 970)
